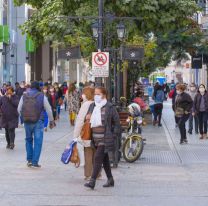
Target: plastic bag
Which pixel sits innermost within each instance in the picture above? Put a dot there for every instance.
(80, 148)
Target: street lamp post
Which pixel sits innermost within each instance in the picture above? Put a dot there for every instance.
(98, 80)
(121, 32)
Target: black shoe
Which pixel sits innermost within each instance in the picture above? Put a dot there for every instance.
(29, 164)
(36, 166)
(90, 184)
(190, 132)
(159, 125)
(11, 146)
(185, 141)
(109, 183)
(182, 142)
(196, 132)
(8, 146)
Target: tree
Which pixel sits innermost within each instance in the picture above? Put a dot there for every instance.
(164, 18)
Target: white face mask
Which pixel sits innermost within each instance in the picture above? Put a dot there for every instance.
(192, 89)
(98, 98)
(84, 97)
(178, 92)
(202, 89)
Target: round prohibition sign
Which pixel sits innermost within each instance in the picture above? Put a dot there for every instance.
(100, 59)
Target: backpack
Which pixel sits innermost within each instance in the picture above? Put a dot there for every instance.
(30, 109)
(171, 94)
(159, 96)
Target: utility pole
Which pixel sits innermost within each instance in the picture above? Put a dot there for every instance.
(100, 33)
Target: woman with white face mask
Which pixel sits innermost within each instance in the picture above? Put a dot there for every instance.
(88, 99)
(183, 106)
(106, 127)
(193, 119)
(200, 109)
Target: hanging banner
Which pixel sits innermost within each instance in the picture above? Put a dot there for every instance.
(4, 34)
(70, 53)
(30, 45)
(132, 53)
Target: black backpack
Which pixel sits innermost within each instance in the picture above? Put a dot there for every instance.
(30, 110)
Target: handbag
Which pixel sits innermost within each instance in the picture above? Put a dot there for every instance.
(179, 112)
(60, 101)
(86, 132)
(75, 156)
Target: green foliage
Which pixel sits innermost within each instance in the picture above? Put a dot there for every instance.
(165, 18)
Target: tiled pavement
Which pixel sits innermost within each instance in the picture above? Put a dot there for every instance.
(166, 175)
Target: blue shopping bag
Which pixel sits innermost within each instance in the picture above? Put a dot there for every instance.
(66, 156)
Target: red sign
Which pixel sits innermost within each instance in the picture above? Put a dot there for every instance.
(100, 59)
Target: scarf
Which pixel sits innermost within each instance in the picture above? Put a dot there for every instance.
(96, 120)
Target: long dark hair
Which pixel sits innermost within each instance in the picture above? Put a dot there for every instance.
(203, 86)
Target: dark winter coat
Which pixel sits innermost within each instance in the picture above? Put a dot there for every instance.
(19, 92)
(197, 101)
(184, 101)
(53, 104)
(9, 114)
(112, 126)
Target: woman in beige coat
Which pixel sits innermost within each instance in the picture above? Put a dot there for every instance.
(88, 99)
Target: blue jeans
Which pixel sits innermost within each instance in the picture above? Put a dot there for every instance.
(34, 133)
(58, 109)
(45, 119)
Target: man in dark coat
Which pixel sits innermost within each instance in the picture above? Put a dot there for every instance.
(9, 115)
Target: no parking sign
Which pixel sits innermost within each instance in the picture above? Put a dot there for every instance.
(100, 64)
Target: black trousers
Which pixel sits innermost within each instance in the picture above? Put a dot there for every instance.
(158, 112)
(176, 118)
(202, 117)
(101, 158)
(10, 135)
(182, 125)
(196, 123)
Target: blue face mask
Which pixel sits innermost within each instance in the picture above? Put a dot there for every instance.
(98, 98)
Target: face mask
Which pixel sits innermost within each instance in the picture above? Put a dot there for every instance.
(192, 89)
(202, 90)
(84, 97)
(178, 92)
(98, 98)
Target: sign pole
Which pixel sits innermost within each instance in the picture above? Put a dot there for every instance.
(98, 80)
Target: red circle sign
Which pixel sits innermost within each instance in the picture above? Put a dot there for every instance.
(100, 59)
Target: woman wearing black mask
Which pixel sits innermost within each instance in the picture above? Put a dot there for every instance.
(200, 108)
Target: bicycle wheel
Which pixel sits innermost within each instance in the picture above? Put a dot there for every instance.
(133, 148)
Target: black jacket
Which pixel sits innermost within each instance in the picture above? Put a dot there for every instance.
(197, 101)
(112, 126)
(184, 101)
(9, 115)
